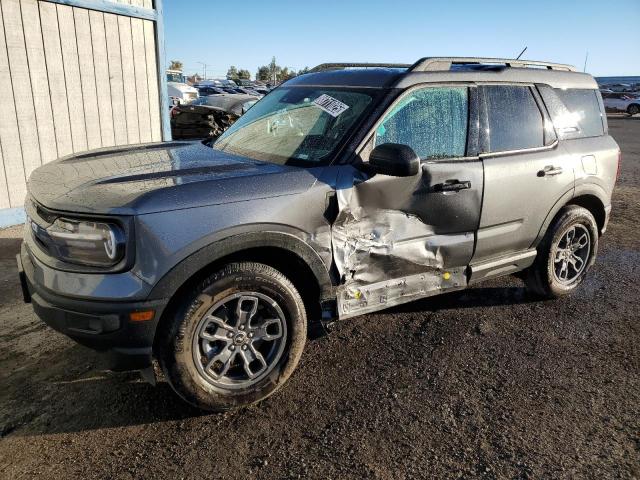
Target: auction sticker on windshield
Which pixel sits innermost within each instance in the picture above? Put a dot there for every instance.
(332, 106)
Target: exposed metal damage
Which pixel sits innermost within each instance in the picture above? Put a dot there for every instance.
(384, 257)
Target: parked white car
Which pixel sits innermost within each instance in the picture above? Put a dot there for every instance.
(621, 102)
(181, 92)
(619, 87)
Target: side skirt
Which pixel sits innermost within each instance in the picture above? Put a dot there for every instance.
(353, 301)
(505, 265)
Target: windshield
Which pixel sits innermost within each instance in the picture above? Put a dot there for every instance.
(175, 77)
(295, 125)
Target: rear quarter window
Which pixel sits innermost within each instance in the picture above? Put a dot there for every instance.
(579, 108)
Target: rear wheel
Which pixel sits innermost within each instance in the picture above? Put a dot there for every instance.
(565, 254)
(633, 109)
(237, 340)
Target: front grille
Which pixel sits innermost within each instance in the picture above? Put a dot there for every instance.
(38, 219)
(39, 214)
(40, 236)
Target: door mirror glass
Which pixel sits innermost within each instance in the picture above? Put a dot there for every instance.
(395, 160)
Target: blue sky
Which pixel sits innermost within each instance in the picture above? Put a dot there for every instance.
(308, 32)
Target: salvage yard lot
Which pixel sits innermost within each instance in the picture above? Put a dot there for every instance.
(487, 383)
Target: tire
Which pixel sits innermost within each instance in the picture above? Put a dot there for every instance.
(214, 363)
(633, 109)
(544, 277)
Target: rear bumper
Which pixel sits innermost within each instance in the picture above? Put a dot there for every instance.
(607, 215)
(100, 325)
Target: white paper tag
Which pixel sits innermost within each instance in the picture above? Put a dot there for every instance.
(332, 106)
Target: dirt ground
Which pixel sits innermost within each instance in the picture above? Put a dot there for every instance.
(488, 384)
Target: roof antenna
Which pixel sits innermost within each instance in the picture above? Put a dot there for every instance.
(523, 50)
(586, 57)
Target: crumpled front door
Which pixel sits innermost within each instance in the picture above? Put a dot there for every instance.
(396, 239)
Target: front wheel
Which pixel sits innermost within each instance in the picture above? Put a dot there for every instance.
(237, 340)
(633, 109)
(565, 254)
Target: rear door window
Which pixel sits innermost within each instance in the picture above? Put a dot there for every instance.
(433, 121)
(514, 119)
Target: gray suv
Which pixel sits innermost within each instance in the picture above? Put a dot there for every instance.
(344, 191)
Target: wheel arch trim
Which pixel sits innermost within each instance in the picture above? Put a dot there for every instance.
(568, 198)
(169, 284)
(594, 198)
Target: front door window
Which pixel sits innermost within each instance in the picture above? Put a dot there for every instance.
(432, 121)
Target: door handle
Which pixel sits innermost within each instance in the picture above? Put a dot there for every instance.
(454, 185)
(549, 171)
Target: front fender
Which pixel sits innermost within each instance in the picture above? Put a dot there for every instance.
(169, 283)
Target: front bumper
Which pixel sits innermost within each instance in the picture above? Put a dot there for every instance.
(100, 325)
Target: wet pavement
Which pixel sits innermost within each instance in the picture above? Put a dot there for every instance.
(486, 383)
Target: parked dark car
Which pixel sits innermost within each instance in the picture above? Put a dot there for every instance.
(210, 116)
(205, 90)
(237, 104)
(251, 91)
(344, 191)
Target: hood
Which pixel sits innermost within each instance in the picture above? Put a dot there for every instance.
(159, 177)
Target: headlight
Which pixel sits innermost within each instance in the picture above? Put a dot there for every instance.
(85, 242)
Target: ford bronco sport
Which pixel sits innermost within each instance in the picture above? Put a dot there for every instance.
(343, 191)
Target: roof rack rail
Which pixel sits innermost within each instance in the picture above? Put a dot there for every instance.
(340, 66)
(434, 64)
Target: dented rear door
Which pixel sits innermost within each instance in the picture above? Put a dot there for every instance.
(396, 239)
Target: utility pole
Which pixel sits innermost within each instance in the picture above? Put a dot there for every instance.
(204, 66)
(272, 68)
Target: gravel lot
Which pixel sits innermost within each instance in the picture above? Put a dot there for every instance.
(488, 383)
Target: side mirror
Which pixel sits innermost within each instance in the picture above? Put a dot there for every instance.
(395, 160)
